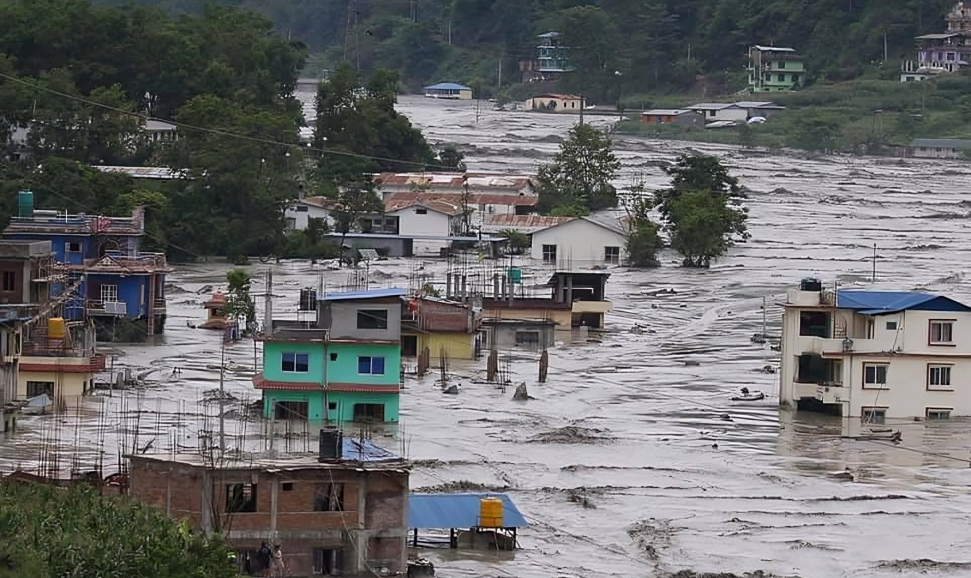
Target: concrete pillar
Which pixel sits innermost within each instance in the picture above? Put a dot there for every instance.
(359, 538)
(495, 286)
(208, 506)
(274, 496)
(569, 289)
(464, 287)
(448, 285)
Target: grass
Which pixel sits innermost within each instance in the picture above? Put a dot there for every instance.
(864, 116)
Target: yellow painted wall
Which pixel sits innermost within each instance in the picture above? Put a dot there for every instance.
(562, 318)
(457, 345)
(69, 385)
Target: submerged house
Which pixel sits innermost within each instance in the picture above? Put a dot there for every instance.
(569, 299)
(444, 326)
(875, 355)
(343, 366)
(107, 277)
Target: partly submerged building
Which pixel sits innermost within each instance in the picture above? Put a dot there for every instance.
(449, 91)
(569, 299)
(341, 512)
(875, 355)
(445, 327)
(343, 366)
(108, 278)
(583, 242)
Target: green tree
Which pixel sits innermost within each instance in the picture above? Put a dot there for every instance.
(451, 159)
(518, 241)
(51, 531)
(643, 234)
(239, 302)
(580, 173)
(702, 209)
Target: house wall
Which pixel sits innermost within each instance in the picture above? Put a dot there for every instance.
(730, 113)
(503, 336)
(273, 361)
(562, 317)
(314, 400)
(344, 369)
(340, 317)
(579, 243)
(561, 105)
(298, 219)
(410, 222)
(132, 290)
(373, 512)
(937, 153)
(343, 403)
(456, 345)
(66, 385)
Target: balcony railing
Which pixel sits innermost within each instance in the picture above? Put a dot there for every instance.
(119, 308)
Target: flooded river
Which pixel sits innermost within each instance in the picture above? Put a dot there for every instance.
(632, 461)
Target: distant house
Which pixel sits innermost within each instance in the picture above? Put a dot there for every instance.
(944, 52)
(421, 217)
(719, 111)
(759, 108)
(938, 148)
(681, 116)
(550, 60)
(449, 91)
(775, 69)
(581, 242)
(159, 131)
(474, 182)
(562, 103)
(526, 224)
(298, 215)
(479, 203)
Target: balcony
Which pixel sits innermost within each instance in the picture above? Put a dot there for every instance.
(123, 263)
(297, 331)
(107, 308)
(831, 393)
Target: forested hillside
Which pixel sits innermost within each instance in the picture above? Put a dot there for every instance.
(652, 43)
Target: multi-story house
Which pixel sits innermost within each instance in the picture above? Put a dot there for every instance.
(550, 60)
(345, 366)
(109, 277)
(875, 355)
(445, 327)
(342, 513)
(942, 52)
(775, 69)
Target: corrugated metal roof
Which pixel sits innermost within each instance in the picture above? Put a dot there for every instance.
(942, 143)
(364, 450)
(454, 180)
(447, 511)
(774, 49)
(883, 302)
(369, 294)
(447, 86)
(437, 205)
(405, 199)
(523, 223)
(758, 104)
(667, 111)
(319, 201)
(559, 96)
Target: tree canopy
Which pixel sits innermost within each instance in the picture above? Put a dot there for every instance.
(48, 531)
(578, 179)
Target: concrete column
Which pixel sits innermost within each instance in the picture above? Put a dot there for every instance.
(208, 505)
(274, 496)
(168, 494)
(495, 286)
(360, 534)
(448, 285)
(464, 293)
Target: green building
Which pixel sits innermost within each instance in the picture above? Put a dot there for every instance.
(775, 69)
(345, 366)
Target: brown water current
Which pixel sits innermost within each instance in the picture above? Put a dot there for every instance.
(625, 463)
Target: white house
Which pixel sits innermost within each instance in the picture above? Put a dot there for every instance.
(581, 242)
(301, 211)
(939, 148)
(719, 111)
(875, 356)
(426, 218)
(526, 224)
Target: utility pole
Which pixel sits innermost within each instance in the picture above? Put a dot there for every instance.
(582, 100)
(499, 81)
(873, 275)
(222, 400)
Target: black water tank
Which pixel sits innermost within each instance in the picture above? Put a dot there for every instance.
(308, 299)
(811, 284)
(331, 444)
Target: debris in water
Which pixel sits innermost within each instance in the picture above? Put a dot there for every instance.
(460, 486)
(451, 390)
(572, 434)
(521, 393)
(652, 536)
(579, 496)
(922, 564)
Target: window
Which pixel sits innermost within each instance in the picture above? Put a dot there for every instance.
(332, 405)
(291, 409)
(72, 247)
(329, 498)
(302, 208)
(874, 414)
(612, 254)
(9, 280)
(549, 253)
(295, 362)
(327, 562)
(35, 388)
(814, 324)
(287, 486)
(109, 293)
(369, 412)
(333, 357)
(937, 413)
(421, 211)
(939, 377)
(782, 78)
(370, 365)
(875, 375)
(527, 338)
(372, 319)
(941, 332)
(891, 325)
(240, 498)
(782, 65)
(795, 78)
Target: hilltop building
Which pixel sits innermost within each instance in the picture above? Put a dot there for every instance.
(942, 52)
(550, 61)
(344, 365)
(341, 512)
(875, 355)
(775, 69)
(108, 277)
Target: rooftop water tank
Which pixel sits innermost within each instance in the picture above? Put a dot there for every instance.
(490, 512)
(25, 204)
(810, 284)
(331, 444)
(55, 328)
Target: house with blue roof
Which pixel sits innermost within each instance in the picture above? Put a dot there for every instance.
(344, 366)
(448, 91)
(875, 356)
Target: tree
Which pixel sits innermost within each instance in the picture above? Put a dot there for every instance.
(643, 234)
(239, 303)
(356, 200)
(702, 209)
(580, 173)
(51, 531)
(518, 241)
(451, 159)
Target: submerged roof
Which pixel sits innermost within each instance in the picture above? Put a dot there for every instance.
(359, 295)
(447, 511)
(884, 302)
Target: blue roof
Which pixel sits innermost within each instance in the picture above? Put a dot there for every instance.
(447, 86)
(884, 302)
(357, 450)
(358, 295)
(446, 511)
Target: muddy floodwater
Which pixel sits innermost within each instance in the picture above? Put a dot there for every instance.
(632, 461)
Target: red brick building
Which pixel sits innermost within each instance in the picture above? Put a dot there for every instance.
(346, 516)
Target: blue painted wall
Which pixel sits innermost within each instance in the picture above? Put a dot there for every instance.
(132, 289)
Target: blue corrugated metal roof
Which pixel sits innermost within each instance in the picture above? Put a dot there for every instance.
(447, 86)
(371, 294)
(882, 302)
(356, 450)
(446, 511)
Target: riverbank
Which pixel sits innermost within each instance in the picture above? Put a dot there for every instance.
(867, 116)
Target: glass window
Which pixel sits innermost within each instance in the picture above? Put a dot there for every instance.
(295, 362)
(370, 365)
(939, 377)
(875, 375)
(941, 332)
(372, 319)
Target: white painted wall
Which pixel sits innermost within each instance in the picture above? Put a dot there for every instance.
(906, 351)
(579, 243)
(298, 219)
(412, 222)
(730, 113)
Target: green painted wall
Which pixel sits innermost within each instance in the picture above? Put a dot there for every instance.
(345, 402)
(314, 399)
(273, 356)
(344, 368)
